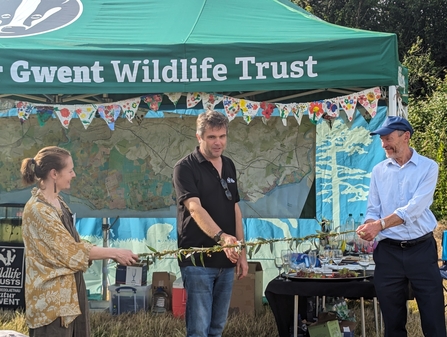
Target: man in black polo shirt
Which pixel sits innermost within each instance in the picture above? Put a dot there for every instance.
(208, 214)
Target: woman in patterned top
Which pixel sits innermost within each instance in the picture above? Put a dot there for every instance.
(55, 292)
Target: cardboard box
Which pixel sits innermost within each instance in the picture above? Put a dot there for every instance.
(247, 293)
(346, 327)
(326, 329)
(178, 298)
(135, 275)
(164, 280)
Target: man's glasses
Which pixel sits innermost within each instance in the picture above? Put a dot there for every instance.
(225, 187)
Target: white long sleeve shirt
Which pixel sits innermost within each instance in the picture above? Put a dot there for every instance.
(406, 191)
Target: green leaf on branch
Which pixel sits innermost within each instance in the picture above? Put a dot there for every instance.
(258, 247)
(152, 249)
(202, 260)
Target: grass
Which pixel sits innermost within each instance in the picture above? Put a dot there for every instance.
(144, 324)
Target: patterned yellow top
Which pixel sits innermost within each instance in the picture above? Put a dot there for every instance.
(52, 258)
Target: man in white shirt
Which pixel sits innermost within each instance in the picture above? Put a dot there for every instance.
(399, 217)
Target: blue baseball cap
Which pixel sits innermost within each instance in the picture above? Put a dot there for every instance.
(391, 124)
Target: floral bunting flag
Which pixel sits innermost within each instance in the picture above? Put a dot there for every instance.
(23, 110)
(86, 113)
(173, 97)
(192, 98)
(64, 113)
(44, 113)
(249, 109)
(209, 101)
(369, 99)
(316, 111)
(331, 110)
(284, 111)
(109, 113)
(267, 110)
(153, 101)
(348, 104)
(231, 106)
(298, 110)
(130, 107)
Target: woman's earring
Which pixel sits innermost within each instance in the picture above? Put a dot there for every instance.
(55, 191)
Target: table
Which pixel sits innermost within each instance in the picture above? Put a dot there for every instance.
(283, 297)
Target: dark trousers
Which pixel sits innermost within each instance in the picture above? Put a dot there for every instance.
(396, 267)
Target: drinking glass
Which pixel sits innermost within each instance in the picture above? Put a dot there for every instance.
(364, 261)
(285, 254)
(337, 256)
(312, 259)
(278, 264)
(366, 247)
(325, 255)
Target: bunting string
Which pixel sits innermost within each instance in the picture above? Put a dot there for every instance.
(365, 101)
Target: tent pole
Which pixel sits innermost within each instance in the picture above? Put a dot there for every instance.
(105, 243)
(392, 101)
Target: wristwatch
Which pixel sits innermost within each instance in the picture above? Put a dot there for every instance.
(217, 236)
(382, 222)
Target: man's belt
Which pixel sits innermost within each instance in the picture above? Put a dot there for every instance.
(408, 243)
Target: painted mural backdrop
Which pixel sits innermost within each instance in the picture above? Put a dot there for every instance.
(127, 173)
(345, 156)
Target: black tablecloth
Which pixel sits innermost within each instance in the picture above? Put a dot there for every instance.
(280, 296)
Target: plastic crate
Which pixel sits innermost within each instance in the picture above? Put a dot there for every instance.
(129, 298)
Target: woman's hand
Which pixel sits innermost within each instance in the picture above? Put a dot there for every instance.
(125, 257)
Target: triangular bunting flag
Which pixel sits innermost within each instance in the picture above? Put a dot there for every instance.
(267, 109)
(23, 110)
(298, 110)
(209, 101)
(64, 113)
(44, 113)
(153, 101)
(130, 107)
(86, 113)
(249, 109)
(331, 108)
(231, 106)
(284, 111)
(331, 111)
(369, 99)
(192, 98)
(348, 104)
(316, 111)
(109, 113)
(173, 96)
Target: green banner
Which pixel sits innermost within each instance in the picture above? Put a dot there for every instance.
(185, 46)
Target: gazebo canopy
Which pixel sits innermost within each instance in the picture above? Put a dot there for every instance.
(72, 50)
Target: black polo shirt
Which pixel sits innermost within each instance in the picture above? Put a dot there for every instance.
(194, 176)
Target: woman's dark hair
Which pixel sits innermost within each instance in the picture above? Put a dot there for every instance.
(38, 168)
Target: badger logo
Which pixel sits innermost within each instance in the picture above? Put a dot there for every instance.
(31, 17)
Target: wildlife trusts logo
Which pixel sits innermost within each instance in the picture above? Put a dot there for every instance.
(11, 267)
(21, 18)
(7, 256)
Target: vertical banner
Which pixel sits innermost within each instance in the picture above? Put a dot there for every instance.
(12, 276)
(345, 156)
